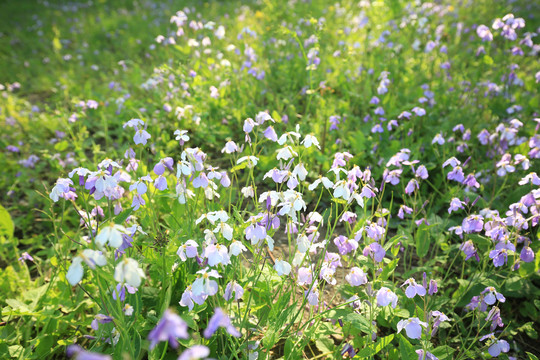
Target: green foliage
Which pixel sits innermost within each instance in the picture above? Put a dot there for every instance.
(64, 54)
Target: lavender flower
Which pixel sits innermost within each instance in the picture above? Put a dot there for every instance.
(169, 328)
(220, 319)
(412, 326)
(413, 288)
(425, 355)
(195, 352)
(78, 353)
(385, 297)
(496, 346)
(356, 277)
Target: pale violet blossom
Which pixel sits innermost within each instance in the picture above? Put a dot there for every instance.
(412, 326)
(282, 267)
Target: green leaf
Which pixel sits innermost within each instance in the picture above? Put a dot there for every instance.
(6, 224)
(325, 345)
(359, 322)
(389, 269)
(61, 146)
(271, 336)
(529, 329)
(402, 313)
(374, 349)
(422, 240)
(276, 116)
(123, 216)
(443, 352)
(488, 60)
(289, 350)
(406, 350)
(238, 167)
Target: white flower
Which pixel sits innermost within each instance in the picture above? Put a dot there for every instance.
(61, 187)
(262, 117)
(359, 199)
(286, 153)
(303, 243)
(220, 32)
(220, 215)
(282, 267)
(111, 234)
(283, 138)
(183, 168)
(325, 181)
(300, 171)
(93, 258)
(183, 193)
(128, 271)
(248, 191)
(230, 147)
(108, 162)
(76, 270)
(225, 229)
(79, 171)
(274, 197)
(203, 285)
(236, 248)
(341, 190)
(298, 259)
(181, 135)
(252, 161)
(269, 241)
(291, 203)
(310, 140)
(128, 310)
(314, 216)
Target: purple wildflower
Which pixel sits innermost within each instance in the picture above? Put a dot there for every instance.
(169, 328)
(78, 353)
(25, 256)
(413, 288)
(195, 352)
(496, 346)
(385, 296)
(469, 250)
(220, 319)
(412, 326)
(375, 251)
(356, 277)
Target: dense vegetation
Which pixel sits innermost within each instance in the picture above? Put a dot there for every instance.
(264, 180)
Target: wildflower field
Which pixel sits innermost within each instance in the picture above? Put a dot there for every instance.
(270, 179)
